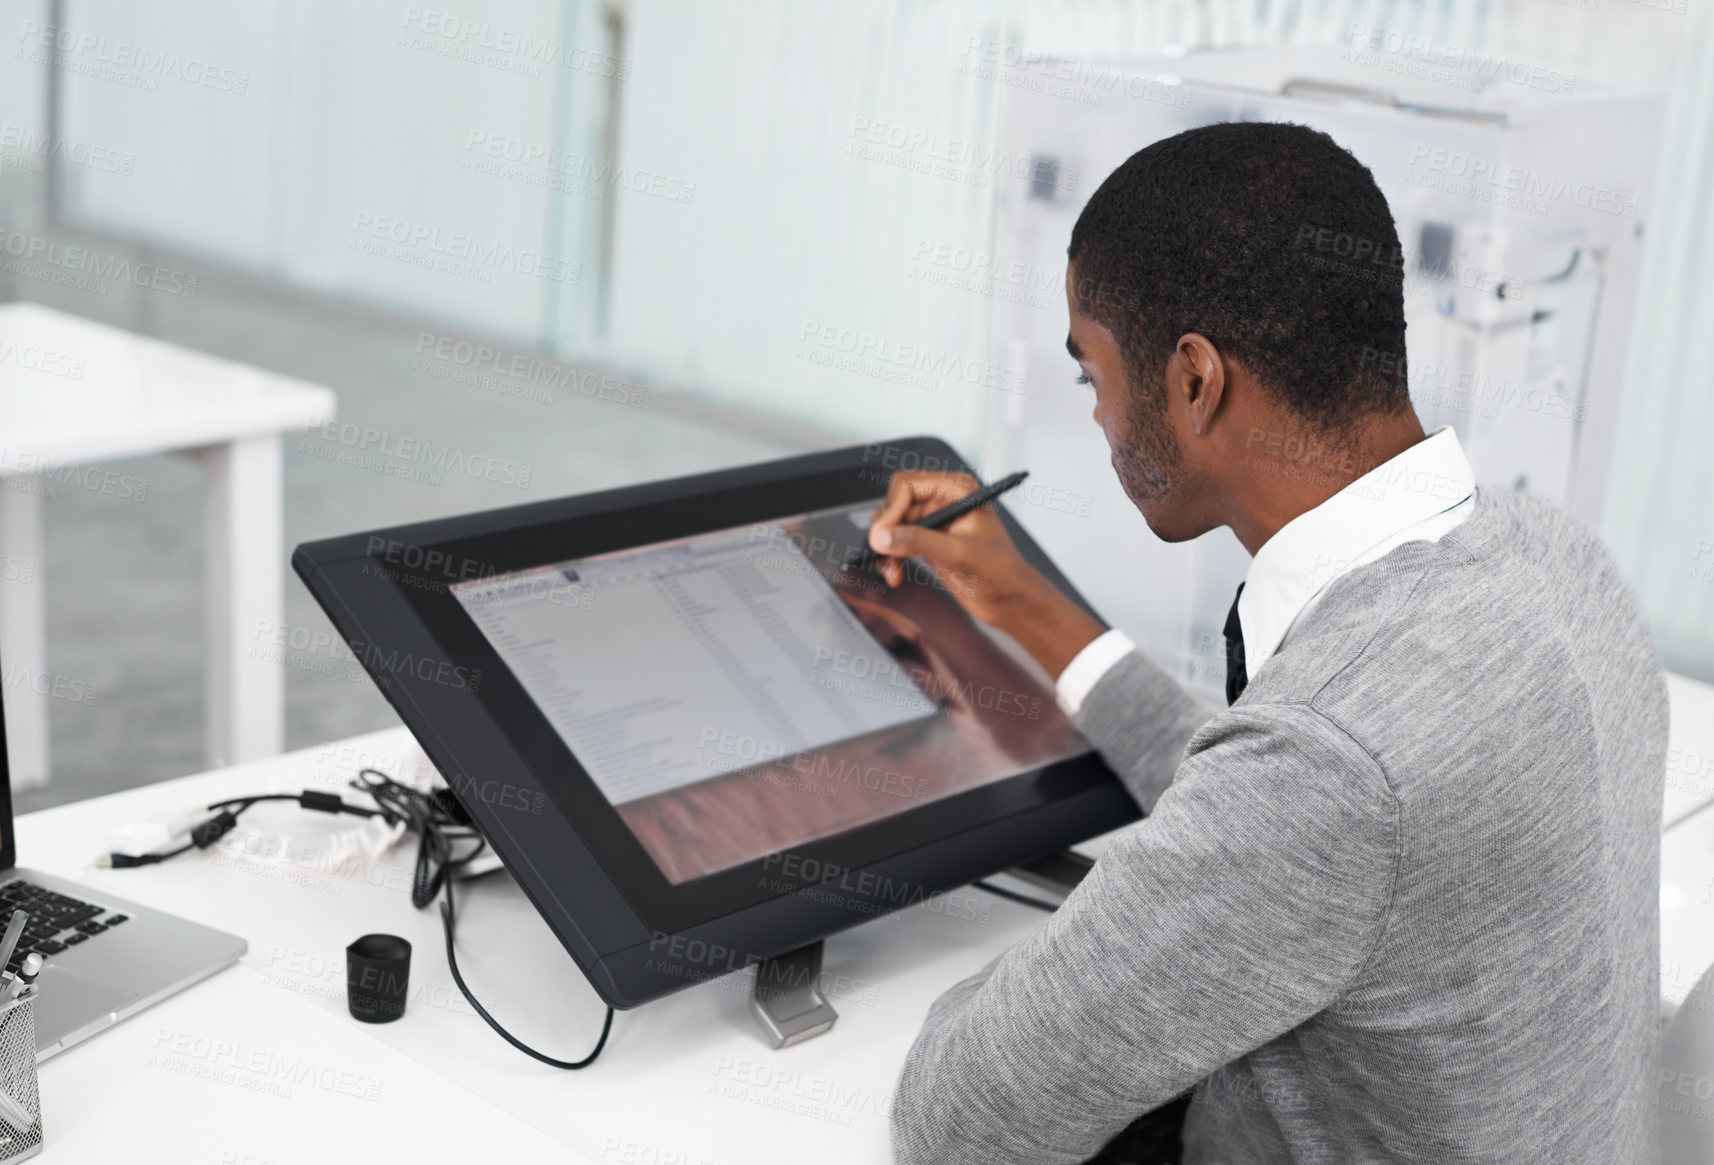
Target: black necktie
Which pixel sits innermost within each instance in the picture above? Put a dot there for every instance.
(1236, 678)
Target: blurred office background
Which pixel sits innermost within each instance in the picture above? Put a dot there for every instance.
(704, 190)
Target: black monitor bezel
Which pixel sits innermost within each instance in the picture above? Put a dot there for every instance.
(405, 572)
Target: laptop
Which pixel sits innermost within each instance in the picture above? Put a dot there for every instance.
(106, 958)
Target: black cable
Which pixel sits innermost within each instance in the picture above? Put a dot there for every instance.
(446, 919)
(309, 799)
(1050, 907)
(244, 803)
(439, 822)
(438, 828)
(129, 861)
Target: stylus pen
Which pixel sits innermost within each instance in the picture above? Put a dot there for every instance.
(947, 515)
(14, 931)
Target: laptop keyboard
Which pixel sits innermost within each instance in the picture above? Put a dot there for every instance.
(56, 921)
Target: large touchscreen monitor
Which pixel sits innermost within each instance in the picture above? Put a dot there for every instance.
(738, 737)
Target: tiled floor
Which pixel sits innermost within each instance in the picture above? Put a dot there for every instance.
(124, 577)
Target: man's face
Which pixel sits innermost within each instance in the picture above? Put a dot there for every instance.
(1135, 419)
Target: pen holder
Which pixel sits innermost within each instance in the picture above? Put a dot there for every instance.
(22, 1103)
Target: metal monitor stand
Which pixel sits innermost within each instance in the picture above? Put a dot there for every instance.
(786, 996)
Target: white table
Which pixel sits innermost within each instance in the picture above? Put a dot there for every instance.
(689, 1075)
(687, 1079)
(73, 392)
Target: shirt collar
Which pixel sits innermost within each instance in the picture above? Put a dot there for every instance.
(1320, 545)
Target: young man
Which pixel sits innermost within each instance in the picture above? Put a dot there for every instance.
(1399, 900)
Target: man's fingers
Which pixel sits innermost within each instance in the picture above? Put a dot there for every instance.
(894, 535)
(913, 494)
(935, 547)
(891, 511)
(944, 552)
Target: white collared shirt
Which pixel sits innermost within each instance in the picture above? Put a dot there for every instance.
(1417, 496)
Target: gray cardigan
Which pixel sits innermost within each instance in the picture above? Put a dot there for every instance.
(1399, 903)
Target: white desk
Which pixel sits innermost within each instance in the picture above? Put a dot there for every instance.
(74, 392)
(689, 1075)
(688, 1079)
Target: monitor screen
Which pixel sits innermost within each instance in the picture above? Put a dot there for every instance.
(738, 693)
(677, 714)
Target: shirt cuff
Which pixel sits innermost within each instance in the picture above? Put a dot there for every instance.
(1088, 666)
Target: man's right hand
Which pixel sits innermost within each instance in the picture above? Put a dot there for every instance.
(979, 565)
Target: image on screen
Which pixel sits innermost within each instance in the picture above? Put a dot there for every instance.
(740, 693)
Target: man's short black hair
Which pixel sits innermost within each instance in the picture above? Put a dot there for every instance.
(1271, 240)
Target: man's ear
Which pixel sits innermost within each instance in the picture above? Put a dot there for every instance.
(1196, 376)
